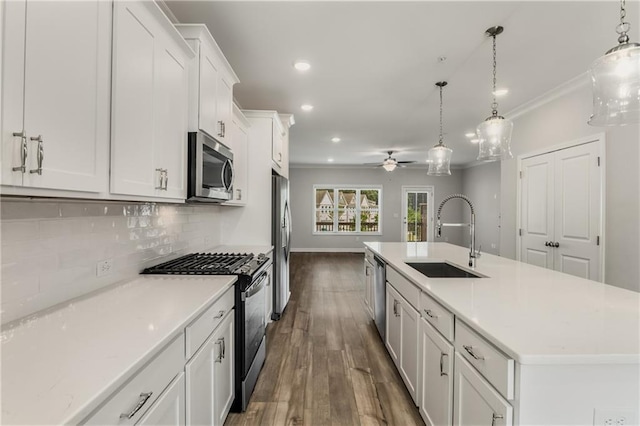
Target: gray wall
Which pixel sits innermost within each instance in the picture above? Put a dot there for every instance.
(302, 203)
(565, 119)
(482, 185)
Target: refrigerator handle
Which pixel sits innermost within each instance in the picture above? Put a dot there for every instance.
(287, 219)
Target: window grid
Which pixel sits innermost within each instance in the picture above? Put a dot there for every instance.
(347, 210)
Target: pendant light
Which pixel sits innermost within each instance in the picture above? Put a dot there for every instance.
(494, 133)
(616, 81)
(439, 158)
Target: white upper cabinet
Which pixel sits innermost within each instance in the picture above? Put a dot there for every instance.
(211, 83)
(149, 103)
(280, 144)
(239, 144)
(55, 95)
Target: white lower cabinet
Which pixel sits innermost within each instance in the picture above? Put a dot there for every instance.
(369, 278)
(476, 402)
(169, 409)
(209, 377)
(402, 338)
(436, 377)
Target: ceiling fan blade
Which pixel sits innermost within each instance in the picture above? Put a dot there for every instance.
(406, 162)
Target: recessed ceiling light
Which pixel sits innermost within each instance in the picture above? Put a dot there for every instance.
(476, 140)
(470, 135)
(302, 65)
(501, 92)
(330, 160)
(306, 107)
(335, 139)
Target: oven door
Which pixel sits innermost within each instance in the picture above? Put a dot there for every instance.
(254, 300)
(210, 169)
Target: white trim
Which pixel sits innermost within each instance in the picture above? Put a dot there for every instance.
(599, 139)
(549, 96)
(327, 250)
(430, 191)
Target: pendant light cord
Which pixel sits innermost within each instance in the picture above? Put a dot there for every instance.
(440, 143)
(494, 104)
(623, 27)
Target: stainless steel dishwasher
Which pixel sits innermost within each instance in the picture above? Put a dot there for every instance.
(380, 296)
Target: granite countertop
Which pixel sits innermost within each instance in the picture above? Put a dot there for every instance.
(58, 366)
(535, 315)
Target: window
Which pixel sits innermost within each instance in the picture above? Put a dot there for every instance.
(347, 209)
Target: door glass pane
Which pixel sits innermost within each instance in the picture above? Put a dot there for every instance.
(324, 210)
(369, 210)
(417, 216)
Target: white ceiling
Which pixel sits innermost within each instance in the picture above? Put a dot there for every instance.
(374, 65)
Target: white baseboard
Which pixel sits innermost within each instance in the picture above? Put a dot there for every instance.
(327, 250)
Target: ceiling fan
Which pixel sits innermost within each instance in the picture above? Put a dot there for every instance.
(390, 163)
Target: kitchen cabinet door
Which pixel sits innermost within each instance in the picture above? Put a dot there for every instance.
(224, 107)
(208, 91)
(57, 80)
(210, 389)
(169, 409)
(269, 296)
(223, 371)
(369, 282)
(436, 377)
(475, 401)
(238, 140)
(149, 106)
(409, 347)
(393, 327)
(277, 144)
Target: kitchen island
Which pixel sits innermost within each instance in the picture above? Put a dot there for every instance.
(556, 349)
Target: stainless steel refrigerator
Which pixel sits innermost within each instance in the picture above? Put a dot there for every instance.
(281, 240)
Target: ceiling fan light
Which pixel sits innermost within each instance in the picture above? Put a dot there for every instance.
(495, 139)
(439, 159)
(616, 87)
(390, 164)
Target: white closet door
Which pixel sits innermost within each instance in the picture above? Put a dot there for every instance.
(537, 210)
(577, 211)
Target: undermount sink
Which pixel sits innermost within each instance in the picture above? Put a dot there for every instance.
(441, 270)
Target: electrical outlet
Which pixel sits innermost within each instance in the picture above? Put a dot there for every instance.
(104, 267)
(493, 245)
(614, 417)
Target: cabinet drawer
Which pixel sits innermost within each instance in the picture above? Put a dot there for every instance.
(198, 331)
(150, 380)
(437, 315)
(495, 366)
(406, 289)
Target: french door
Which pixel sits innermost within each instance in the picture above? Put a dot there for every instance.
(560, 211)
(417, 213)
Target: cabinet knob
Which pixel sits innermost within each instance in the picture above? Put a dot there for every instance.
(556, 244)
(219, 315)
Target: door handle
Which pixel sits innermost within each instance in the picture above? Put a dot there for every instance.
(39, 155)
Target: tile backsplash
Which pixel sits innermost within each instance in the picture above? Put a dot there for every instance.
(50, 250)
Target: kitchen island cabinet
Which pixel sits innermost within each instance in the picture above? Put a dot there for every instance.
(527, 345)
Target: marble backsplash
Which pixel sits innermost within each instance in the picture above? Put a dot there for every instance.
(51, 249)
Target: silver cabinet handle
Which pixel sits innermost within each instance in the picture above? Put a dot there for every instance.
(163, 179)
(430, 314)
(279, 156)
(220, 125)
(166, 179)
(160, 176)
(495, 417)
(224, 348)
(239, 194)
(220, 343)
(224, 129)
(220, 315)
(442, 355)
(144, 397)
(395, 308)
(23, 152)
(469, 350)
(39, 155)
(556, 244)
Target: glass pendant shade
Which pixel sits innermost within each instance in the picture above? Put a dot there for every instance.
(616, 87)
(495, 139)
(389, 165)
(439, 159)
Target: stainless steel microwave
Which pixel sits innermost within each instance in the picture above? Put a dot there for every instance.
(210, 170)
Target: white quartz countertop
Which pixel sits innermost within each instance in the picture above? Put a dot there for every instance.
(535, 315)
(58, 366)
(256, 250)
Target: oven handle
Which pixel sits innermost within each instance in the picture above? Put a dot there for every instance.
(254, 288)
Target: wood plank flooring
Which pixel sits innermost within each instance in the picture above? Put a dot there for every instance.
(326, 363)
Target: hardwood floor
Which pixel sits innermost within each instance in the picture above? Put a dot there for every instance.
(326, 363)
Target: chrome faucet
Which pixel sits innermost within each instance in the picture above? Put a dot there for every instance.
(473, 254)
